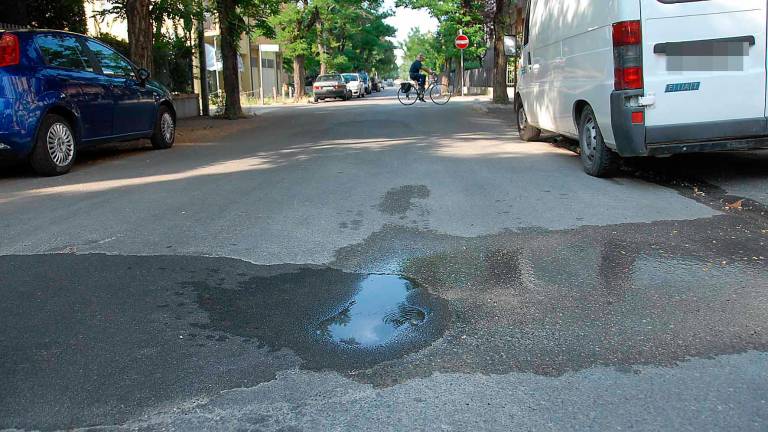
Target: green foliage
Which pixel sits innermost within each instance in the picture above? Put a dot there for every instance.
(172, 59)
(455, 15)
(354, 35)
(178, 11)
(421, 43)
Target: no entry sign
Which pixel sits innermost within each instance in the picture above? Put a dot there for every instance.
(462, 42)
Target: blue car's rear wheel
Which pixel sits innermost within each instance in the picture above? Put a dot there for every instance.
(54, 152)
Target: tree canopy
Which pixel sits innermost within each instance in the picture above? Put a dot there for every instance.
(342, 35)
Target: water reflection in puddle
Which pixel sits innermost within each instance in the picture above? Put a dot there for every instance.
(379, 313)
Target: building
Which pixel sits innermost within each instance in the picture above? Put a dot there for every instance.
(260, 63)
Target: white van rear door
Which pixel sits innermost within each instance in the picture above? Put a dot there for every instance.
(704, 61)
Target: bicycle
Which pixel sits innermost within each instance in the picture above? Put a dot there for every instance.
(410, 92)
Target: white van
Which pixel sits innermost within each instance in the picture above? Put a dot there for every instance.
(644, 77)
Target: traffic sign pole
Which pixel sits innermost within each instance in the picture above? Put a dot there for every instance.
(462, 72)
(462, 42)
(461, 33)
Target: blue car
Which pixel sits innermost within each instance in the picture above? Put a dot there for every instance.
(60, 92)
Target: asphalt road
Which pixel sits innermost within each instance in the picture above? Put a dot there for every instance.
(240, 282)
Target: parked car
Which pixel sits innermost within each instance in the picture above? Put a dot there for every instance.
(355, 84)
(61, 92)
(331, 86)
(389, 83)
(367, 81)
(644, 78)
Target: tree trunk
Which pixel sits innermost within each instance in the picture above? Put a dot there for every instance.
(230, 39)
(299, 76)
(203, 66)
(499, 56)
(322, 51)
(139, 32)
(445, 79)
(457, 88)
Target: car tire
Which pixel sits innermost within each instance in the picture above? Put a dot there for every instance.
(597, 158)
(526, 131)
(165, 129)
(55, 147)
(316, 99)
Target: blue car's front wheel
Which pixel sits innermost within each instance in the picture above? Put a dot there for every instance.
(165, 129)
(54, 152)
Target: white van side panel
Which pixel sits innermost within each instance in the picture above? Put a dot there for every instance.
(572, 60)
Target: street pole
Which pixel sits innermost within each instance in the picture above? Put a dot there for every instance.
(218, 83)
(461, 32)
(261, 78)
(205, 108)
(250, 55)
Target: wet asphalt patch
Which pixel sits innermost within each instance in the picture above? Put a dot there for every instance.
(330, 319)
(550, 302)
(398, 201)
(97, 339)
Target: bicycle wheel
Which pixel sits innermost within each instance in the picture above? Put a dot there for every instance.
(440, 94)
(407, 98)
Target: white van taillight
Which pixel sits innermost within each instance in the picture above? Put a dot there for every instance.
(9, 50)
(628, 55)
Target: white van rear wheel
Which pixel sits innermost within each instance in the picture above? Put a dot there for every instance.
(597, 158)
(526, 131)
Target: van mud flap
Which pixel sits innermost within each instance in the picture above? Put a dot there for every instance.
(629, 137)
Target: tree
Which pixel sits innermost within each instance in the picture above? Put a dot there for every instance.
(335, 35)
(500, 13)
(294, 27)
(139, 32)
(235, 18)
(454, 16)
(425, 43)
(354, 35)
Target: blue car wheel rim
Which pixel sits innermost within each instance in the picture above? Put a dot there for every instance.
(61, 144)
(167, 127)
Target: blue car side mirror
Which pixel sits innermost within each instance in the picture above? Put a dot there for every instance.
(143, 75)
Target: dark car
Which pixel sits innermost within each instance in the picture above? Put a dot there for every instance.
(331, 86)
(60, 92)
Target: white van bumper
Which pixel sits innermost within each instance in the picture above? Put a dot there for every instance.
(641, 140)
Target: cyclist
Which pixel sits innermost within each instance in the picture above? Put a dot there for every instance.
(416, 75)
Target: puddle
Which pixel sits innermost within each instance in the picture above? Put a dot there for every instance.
(380, 312)
(331, 319)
